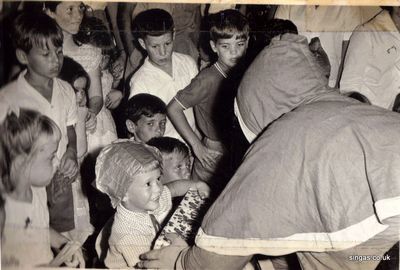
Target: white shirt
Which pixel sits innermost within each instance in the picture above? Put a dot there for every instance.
(152, 80)
(26, 237)
(332, 24)
(62, 109)
(372, 64)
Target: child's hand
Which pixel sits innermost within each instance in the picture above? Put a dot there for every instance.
(91, 121)
(76, 260)
(202, 188)
(68, 164)
(204, 155)
(113, 99)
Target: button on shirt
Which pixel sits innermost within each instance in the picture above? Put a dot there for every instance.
(152, 80)
(372, 65)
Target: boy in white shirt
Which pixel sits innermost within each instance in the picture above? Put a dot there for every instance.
(163, 72)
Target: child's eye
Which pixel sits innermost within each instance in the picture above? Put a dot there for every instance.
(224, 46)
(148, 184)
(150, 124)
(241, 44)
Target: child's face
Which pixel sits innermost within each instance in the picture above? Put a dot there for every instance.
(144, 192)
(176, 166)
(40, 161)
(68, 16)
(230, 50)
(159, 48)
(80, 86)
(148, 127)
(43, 62)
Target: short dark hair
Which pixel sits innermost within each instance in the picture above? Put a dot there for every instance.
(277, 27)
(153, 22)
(31, 28)
(169, 145)
(71, 71)
(226, 23)
(144, 104)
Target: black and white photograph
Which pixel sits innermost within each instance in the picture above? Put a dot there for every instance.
(190, 136)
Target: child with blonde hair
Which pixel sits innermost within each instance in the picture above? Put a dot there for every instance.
(29, 143)
(129, 173)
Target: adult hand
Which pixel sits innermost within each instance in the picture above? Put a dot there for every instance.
(163, 258)
(91, 121)
(113, 99)
(204, 155)
(68, 164)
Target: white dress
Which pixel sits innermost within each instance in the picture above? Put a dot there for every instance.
(26, 236)
(89, 57)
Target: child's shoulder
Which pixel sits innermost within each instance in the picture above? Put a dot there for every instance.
(183, 58)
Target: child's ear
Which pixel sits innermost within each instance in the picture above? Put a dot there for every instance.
(213, 46)
(130, 126)
(21, 56)
(141, 42)
(49, 13)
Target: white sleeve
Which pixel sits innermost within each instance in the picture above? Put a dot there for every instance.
(355, 63)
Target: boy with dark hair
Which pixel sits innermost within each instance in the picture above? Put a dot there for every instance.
(163, 72)
(176, 158)
(211, 95)
(145, 117)
(38, 42)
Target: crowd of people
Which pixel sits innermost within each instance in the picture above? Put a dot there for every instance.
(285, 117)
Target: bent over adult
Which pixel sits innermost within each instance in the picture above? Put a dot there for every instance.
(322, 180)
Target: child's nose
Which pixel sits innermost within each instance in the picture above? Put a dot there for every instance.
(157, 187)
(233, 50)
(162, 50)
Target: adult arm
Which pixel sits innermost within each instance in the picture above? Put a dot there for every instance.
(126, 10)
(176, 257)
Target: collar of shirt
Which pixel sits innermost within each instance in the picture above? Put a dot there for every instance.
(134, 218)
(23, 85)
(147, 64)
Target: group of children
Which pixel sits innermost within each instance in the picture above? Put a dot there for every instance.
(46, 131)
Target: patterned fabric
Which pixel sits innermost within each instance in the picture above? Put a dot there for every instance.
(88, 56)
(186, 219)
(118, 163)
(133, 233)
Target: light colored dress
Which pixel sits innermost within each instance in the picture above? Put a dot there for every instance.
(26, 236)
(89, 57)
